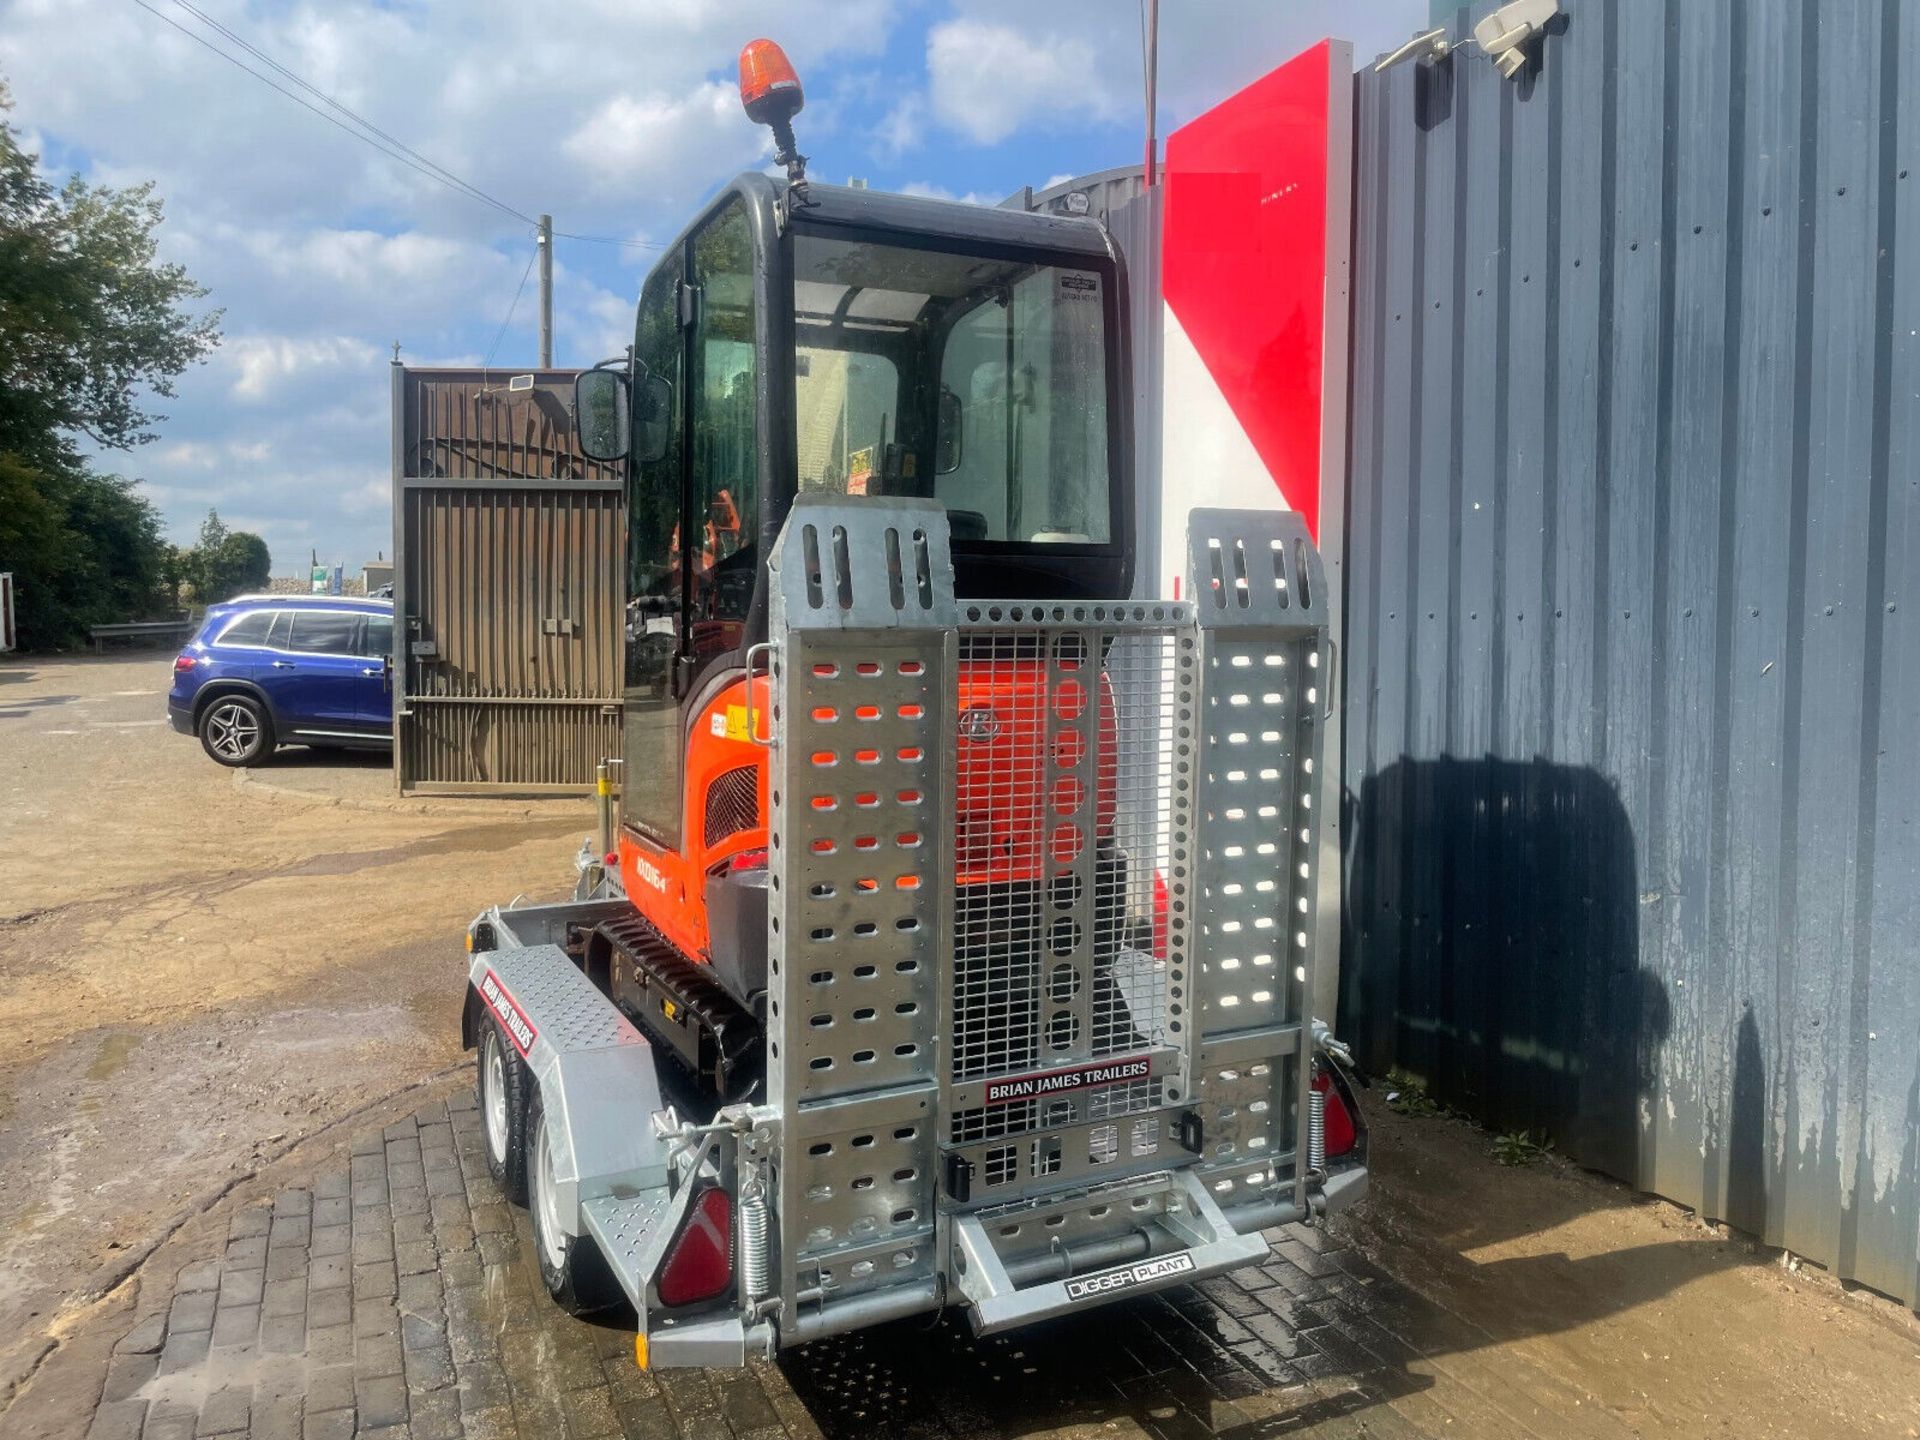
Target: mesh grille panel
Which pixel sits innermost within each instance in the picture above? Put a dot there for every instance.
(733, 803)
(1072, 754)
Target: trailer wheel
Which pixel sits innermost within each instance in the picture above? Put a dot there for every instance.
(571, 1266)
(501, 1083)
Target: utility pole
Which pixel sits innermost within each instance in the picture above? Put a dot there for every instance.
(546, 292)
(1152, 66)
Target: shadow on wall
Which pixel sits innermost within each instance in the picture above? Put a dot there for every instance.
(1491, 951)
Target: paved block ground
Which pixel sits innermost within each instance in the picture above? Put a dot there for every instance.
(391, 1293)
(395, 1296)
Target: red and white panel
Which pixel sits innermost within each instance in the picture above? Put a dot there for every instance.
(1256, 245)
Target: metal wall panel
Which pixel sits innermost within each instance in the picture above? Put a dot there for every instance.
(1632, 666)
(508, 587)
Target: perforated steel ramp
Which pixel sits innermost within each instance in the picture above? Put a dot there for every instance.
(1263, 614)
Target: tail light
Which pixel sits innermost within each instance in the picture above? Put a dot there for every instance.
(699, 1263)
(1159, 916)
(747, 860)
(1340, 1131)
(184, 663)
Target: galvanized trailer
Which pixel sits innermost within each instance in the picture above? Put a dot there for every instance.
(1021, 1099)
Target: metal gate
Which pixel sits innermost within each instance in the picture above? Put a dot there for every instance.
(507, 587)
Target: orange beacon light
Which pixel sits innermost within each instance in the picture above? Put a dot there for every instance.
(771, 94)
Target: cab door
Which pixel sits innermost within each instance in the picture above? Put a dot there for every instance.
(650, 800)
(693, 514)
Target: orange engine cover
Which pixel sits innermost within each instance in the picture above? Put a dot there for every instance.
(1009, 817)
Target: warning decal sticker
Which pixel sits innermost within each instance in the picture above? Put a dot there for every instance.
(519, 1029)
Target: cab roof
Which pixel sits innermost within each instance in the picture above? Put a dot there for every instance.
(923, 215)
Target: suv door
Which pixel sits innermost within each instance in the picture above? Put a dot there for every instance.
(373, 689)
(314, 678)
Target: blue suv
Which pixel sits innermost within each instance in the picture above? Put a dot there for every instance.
(269, 670)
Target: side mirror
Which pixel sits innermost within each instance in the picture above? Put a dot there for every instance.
(600, 412)
(948, 446)
(653, 416)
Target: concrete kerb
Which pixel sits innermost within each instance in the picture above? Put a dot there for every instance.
(251, 784)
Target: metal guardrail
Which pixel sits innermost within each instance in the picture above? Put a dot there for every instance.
(181, 630)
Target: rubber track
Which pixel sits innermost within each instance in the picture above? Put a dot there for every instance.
(736, 1034)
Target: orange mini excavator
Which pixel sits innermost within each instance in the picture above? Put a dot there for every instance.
(963, 900)
(807, 340)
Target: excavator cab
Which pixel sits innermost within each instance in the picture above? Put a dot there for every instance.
(840, 345)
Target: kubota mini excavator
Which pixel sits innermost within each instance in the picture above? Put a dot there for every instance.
(973, 894)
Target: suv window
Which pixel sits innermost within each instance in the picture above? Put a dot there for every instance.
(377, 639)
(248, 629)
(324, 632)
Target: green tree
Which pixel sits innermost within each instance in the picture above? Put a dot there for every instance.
(245, 563)
(225, 563)
(91, 325)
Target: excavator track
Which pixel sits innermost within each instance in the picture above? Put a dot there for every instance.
(677, 1001)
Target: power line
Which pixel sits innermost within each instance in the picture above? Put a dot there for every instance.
(368, 133)
(391, 154)
(518, 291)
(448, 177)
(609, 240)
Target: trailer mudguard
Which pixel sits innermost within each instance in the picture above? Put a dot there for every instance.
(583, 1053)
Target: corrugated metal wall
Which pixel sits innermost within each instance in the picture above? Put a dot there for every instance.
(1633, 639)
(509, 588)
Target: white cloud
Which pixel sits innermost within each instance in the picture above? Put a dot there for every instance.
(263, 365)
(1000, 65)
(989, 79)
(632, 141)
(931, 191)
(903, 129)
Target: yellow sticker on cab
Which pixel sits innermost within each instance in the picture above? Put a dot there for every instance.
(737, 723)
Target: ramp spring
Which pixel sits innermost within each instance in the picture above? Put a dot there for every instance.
(1316, 1127)
(753, 1245)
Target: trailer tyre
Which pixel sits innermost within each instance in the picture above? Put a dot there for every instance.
(571, 1266)
(502, 1083)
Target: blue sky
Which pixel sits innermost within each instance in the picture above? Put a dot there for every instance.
(617, 116)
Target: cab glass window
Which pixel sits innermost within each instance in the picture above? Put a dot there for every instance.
(722, 554)
(975, 381)
(650, 785)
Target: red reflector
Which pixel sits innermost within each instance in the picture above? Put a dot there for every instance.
(747, 860)
(1159, 916)
(699, 1263)
(184, 663)
(1340, 1133)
